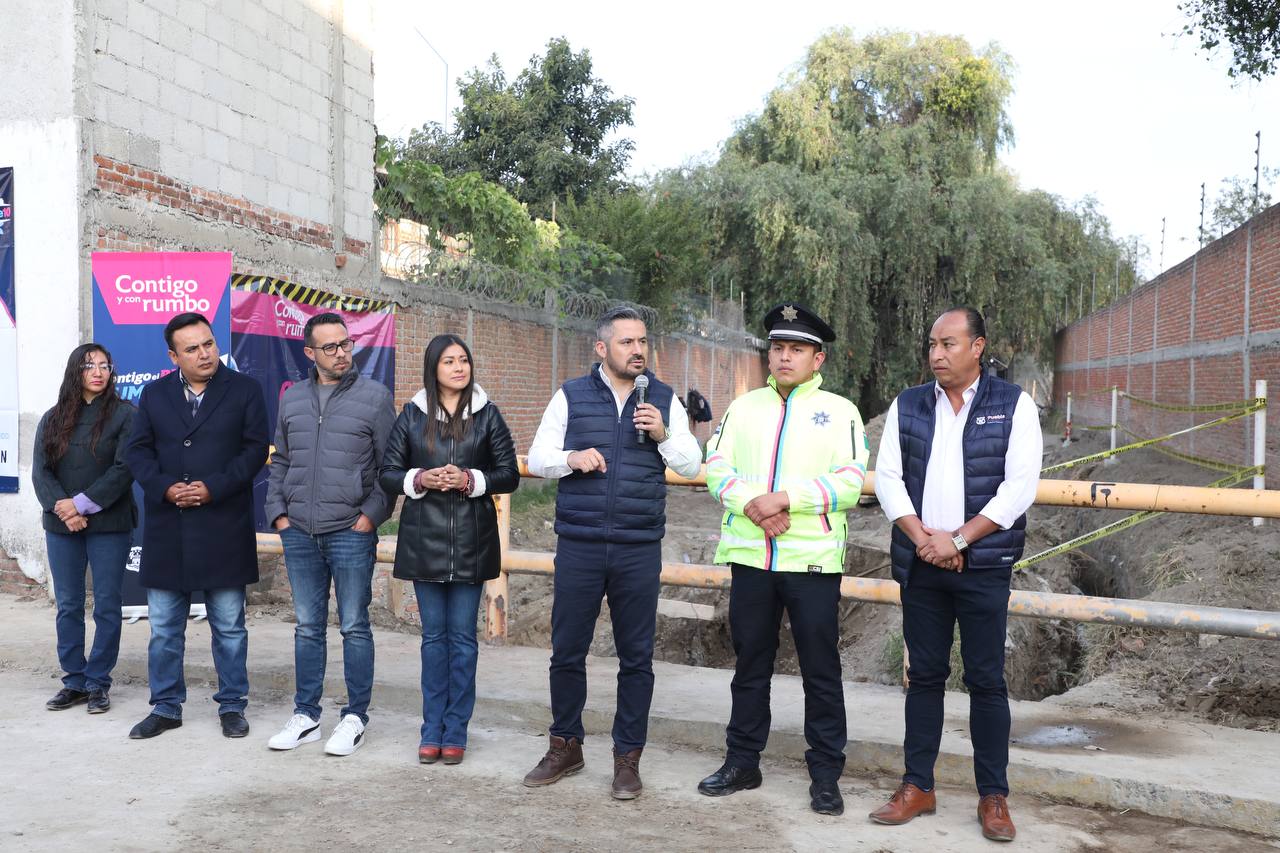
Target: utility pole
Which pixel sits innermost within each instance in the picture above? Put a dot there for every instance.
(445, 125)
(1162, 224)
(1093, 293)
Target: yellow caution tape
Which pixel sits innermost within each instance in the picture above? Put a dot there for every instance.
(1202, 461)
(1147, 442)
(1252, 405)
(1127, 522)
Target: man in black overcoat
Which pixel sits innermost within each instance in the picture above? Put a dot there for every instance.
(198, 439)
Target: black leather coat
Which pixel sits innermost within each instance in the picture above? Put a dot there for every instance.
(447, 536)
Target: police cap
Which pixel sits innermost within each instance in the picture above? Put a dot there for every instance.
(791, 321)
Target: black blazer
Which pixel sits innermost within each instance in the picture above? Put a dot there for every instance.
(98, 471)
(224, 445)
(445, 536)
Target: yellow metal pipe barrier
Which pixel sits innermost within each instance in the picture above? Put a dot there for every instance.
(1101, 494)
(1194, 619)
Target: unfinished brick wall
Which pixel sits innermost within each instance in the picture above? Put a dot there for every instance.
(1202, 332)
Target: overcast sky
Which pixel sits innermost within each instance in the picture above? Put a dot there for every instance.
(1107, 101)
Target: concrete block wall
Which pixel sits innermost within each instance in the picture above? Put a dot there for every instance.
(1202, 332)
(215, 124)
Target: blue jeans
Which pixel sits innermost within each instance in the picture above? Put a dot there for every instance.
(167, 610)
(449, 653)
(347, 558)
(105, 554)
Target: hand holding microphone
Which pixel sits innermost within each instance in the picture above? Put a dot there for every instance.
(647, 418)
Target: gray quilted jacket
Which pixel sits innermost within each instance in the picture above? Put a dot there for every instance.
(324, 470)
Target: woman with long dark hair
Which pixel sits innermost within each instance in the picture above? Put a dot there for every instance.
(449, 452)
(81, 480)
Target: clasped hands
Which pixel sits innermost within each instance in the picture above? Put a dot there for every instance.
(66, 510)
(187, 495)
(443, 479)
(939, 549)
(770, 512)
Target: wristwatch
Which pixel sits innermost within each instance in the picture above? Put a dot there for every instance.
(959, 542)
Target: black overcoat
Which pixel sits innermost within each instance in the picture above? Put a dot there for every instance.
(224, 445)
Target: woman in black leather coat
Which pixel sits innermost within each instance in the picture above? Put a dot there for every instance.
(449, 452)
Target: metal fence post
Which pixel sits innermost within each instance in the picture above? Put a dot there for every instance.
(495, 591)
(1260, 440)
(1115, 407)
(1066, 438)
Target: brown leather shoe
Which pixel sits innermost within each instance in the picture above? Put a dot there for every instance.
(626, 775)
(993, 811)
(562, 759)
(906, 802)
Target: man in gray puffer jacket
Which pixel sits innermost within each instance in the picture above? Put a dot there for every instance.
(324, 499)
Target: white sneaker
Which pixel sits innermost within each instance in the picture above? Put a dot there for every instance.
(347, 737)
(299, 730)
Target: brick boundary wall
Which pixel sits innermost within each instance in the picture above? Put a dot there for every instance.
(1201, 332)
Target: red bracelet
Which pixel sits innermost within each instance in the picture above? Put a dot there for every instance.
(469, 484)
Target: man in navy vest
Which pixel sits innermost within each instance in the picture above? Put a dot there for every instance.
(958, 468)
(610, 453)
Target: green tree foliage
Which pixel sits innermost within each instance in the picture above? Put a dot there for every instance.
(1236, 203)
(544, 136)
(662, 234)
(1250, 27)
(497, 227)
(869, 188)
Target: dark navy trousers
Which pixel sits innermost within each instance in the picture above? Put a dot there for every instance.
(933, 602)
(626, 574)
(756, 601)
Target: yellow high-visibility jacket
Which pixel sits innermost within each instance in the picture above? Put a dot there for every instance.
(810, 445)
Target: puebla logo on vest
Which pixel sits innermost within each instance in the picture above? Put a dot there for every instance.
(821, 419)
(982, 419)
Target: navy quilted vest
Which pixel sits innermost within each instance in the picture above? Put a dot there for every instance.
(986, 440)
(628, 502)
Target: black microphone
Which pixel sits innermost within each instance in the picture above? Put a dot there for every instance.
(642, 391)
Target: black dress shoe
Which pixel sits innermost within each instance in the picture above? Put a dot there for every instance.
(824, 798)
(729, 779)
(234, 724)
(99, 702)
(153, 725)
(66, 698)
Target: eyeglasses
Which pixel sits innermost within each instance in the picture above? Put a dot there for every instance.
(332, 349)
(89, 367)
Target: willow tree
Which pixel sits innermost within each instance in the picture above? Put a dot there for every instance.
(869, 186)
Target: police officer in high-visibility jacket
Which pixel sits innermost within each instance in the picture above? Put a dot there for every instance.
(787, 463)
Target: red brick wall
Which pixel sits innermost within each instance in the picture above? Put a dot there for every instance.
(12, 580)
(513, 362)
(1174, 339)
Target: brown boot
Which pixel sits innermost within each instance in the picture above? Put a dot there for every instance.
(997, 825)
(906, 802)
(563, 758)
(626, 775)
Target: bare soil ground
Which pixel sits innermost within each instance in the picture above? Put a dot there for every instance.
(75, 782)
(1176, 558)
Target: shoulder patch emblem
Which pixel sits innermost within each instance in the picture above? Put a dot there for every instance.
(821, 419)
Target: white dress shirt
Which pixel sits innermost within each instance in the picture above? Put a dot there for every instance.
(942, 505)
(548, 458)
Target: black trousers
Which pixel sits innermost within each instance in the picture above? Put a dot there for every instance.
(627, 575)
(756, 601)
(932, 603)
